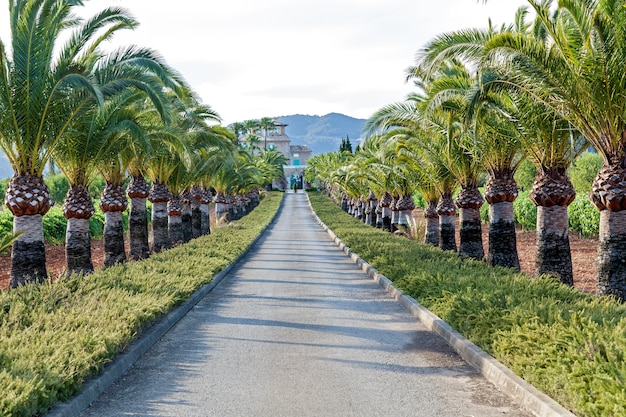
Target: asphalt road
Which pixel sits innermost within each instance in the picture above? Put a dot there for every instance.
(296, 329)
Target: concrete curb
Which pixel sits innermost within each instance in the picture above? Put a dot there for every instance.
(529, 397)
(92, 389)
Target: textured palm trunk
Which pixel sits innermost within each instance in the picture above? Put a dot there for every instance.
(344, 202)
(469, 202)
(612, 254)
(446, 211)
(187, 221)
(502, 237)
(175, 221)
(78, 209)
(78, 246)
(159, 196)
(113, 203)
(138, 191)
(371, 202)
(114, 250)
(500, 194)
(385, 203)
(28, 255)
(553, 250)
(609, 195)
(395, 215)
(28, 198)
(379, 215)
(205, 212)
(552, 192)
(405, 208)
(221, 208)
(432, 224)
(196, 214)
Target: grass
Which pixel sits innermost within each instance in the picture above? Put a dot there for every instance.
(570, 345)
(55, 336)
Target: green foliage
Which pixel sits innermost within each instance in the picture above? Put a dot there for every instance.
(6, 222)
(345, 146)
(525, 175)
(525, 212)
(584, 217)
(55, 336)
(59, 186)
(584, 170)
(96, 187)
(3, 189)
(54, 226)
(568, 344)
(419, 200)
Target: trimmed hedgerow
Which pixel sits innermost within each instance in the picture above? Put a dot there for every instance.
(570, 345)
(55, 335)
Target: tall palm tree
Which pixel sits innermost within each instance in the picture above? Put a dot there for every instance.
(44, 88)
(267, 124)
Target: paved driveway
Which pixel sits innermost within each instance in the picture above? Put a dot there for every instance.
(298, 330)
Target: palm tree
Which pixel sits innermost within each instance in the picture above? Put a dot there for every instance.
(267, 124)
(44, 88)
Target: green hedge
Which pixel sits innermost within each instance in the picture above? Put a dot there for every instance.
(570, 345)
(56, 335)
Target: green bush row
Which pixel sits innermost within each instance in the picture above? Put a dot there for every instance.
(56, 335)
(570, 345)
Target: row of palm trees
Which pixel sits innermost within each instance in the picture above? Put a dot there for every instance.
(117, 114)
(543, 88)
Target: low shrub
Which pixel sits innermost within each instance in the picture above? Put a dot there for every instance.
(584, 217)
(570, 345)
(56, 335)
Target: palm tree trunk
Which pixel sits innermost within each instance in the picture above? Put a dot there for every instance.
(447, 230)
(502, 237)
(138, 191)
(385, 203)
(432, 224)
(175, 221)
(113, 203)
(553, 250)
(78, 209)
(159, 196)
(469, 202)
(205, 213)
(500, 193)
(221, 208)
(612, 254)
(28, 255)
(78, 246)
(552, 192)
(187, 221)
(114, 249)
(609, 196)
(28, 198)
(196, 215)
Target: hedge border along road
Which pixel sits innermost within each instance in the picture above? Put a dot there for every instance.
(56, 336)
(570, 346)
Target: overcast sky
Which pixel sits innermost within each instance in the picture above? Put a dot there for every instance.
(249, 59)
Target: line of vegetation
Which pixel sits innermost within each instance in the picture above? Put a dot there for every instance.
(55, 336)
(569, 345)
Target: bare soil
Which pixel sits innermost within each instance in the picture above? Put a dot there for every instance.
(584, 262)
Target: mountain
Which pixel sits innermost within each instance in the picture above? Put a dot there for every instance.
(322, 133)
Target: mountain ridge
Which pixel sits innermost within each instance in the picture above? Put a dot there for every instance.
(322, 133)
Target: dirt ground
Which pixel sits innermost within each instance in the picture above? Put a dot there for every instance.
(583, 258)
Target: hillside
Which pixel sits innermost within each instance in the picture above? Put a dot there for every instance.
(322, 133)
